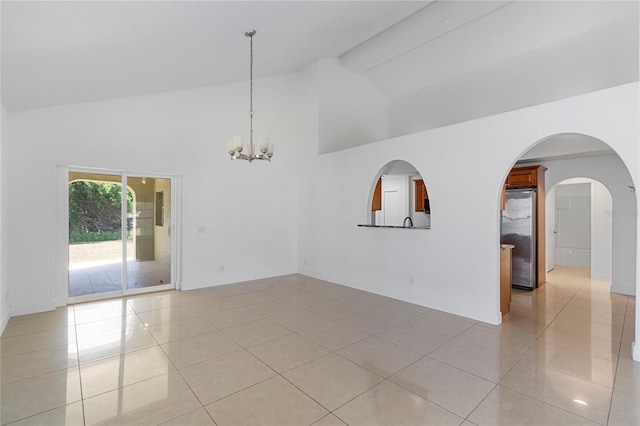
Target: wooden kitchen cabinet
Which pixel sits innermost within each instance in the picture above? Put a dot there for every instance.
(376, 202)
(420, 194)
(523, 177)
(505, 279)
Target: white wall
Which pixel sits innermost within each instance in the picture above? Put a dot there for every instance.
(352, 111)
(454, 266)
(5, 313)
(182, 133)
(601, 232)
(4, 297)
(573, 224)
(612, 172)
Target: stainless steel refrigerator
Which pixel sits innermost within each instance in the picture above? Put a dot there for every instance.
(518, 227)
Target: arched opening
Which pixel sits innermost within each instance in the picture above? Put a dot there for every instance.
(399, 197)
(602, 174)
(579, 227)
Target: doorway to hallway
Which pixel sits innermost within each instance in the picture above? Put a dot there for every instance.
(120, 241)
(579, 226)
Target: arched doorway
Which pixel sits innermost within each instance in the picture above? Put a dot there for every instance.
(571, 155)
(566, 156)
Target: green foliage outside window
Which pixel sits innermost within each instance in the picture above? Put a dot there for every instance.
(95, 211)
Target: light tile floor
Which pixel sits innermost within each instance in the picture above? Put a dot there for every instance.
(294, 350)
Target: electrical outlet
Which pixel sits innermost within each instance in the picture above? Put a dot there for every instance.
(201, 229)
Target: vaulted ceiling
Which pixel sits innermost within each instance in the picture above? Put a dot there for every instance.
(61, 52)
(449, 60)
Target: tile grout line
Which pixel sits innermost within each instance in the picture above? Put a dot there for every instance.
(536, 340)
(335, 351)
(75, 329)
(615, 372)
(331, 351)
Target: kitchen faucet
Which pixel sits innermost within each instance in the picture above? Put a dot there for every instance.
(404, 222)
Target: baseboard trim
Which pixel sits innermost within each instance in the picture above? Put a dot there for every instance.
(635, 351)
(235, 278)
(33, 308)
(600, 276)
(437, 304)
(4, 320)
(628, 291)
(61, 301)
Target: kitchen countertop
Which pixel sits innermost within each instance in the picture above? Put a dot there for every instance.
(395, 227)
(506, 246)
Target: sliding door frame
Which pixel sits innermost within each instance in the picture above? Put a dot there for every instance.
(62, 235)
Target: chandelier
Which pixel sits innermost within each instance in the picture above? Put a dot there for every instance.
(235, 146)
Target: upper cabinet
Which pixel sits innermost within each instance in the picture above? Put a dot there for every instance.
(524, 177)
(421, 200)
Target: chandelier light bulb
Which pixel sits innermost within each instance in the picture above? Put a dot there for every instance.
(264, 144)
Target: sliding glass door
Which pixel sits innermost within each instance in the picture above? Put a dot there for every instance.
(149, 217)
(119, 241)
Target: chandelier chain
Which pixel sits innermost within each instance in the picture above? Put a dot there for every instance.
(251, 86)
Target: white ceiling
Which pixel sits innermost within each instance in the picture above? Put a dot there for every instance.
(65, 52)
